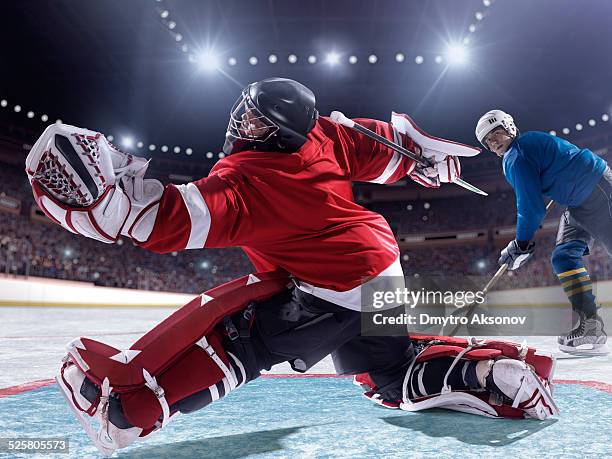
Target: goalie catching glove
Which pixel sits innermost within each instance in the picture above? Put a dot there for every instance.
(83, 183)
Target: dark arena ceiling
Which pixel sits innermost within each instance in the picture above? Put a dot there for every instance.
(143, 68)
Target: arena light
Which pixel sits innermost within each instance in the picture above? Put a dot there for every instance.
(592, 122)
(30, 114)
(209, 155)
(399, 57)
(3, 103)
(605, 117)
(58, 121)
(127, 142)
(253, 60)
(312, 59)
(204, 264)
(456, 54)
(472, 28)
(332, 58)
(372, 59)
(479, 16)
(221, 155)
(292, 58)
(208, 61)
(17, 108)
(188, 151)
(139, 144)
(419, 60)
(272, 58)
(579, 127)
(109, 137)
(171, 25)
(486, 3)
(178, 37)
(481, 264)
(164, 14)
(152, 147)
(177, 149)
(68, 252)
(565, 131)
(552, 132)
(438, 59)
(232, 61)
(164, 148)
(352, 60)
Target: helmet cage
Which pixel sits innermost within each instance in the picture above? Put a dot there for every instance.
(248, 123)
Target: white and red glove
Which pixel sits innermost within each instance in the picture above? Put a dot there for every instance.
(444, 170)
(442, 154)
(83, 183)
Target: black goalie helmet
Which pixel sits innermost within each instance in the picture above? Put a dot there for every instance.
(275, 114)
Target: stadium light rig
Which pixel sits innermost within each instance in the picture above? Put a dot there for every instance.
(456, 54)
(208, 61)
(332, 58)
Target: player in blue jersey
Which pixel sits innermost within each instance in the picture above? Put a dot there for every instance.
(538, 165)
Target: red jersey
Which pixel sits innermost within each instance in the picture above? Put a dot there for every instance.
(293, 211)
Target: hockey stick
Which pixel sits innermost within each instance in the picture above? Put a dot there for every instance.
(471, 308)
(338, 117)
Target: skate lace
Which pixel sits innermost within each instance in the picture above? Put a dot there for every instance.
(579, 330)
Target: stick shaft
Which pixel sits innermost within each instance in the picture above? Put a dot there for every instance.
(500, 272)
(419, 159)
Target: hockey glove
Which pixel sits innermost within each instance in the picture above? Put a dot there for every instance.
(516, 254)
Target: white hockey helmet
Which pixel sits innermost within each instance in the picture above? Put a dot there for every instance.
(491, 120)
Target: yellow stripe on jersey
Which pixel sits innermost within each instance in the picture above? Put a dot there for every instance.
(582, 289)
(571, 273)
(575, 281)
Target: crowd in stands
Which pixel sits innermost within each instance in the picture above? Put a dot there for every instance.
(30, 247)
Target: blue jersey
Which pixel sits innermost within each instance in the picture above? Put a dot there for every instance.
(539, 164)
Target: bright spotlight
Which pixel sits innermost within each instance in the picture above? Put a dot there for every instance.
(44, 118)
(272, 58)
(221, 155)
(209, 155)
(164, 148)
(552, 132)
(208, 61)
(292, 58)
(372, 59)
(164, 14)
(565, 131)
(479, 16)
(419, 60)
(438, 59)
(472, 28)
(312, 59)
(189, 151)
(352, 59)
(152, 147)
(253, 60)
(457, 54)
(139, 144)
(177, 149)
(399, 57)
(232, 61)
(486, 2)
(579, 127)
(332, 58)
(17, 108)
(127, 142)
(3, 103)
(178, 37)
(592, 122)
(605, 117)
(30, 114)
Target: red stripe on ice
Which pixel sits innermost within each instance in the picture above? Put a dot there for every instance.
(14, 390)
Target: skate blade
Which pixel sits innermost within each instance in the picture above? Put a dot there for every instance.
(83, 419)
(599, 350)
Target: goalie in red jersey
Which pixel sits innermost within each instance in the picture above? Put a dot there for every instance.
(284, 195)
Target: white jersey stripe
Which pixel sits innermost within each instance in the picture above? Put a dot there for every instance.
(198, 214)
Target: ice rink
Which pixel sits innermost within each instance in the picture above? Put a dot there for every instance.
(284, 416)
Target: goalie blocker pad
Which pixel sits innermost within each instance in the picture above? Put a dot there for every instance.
(179, 357)
(480, 402)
